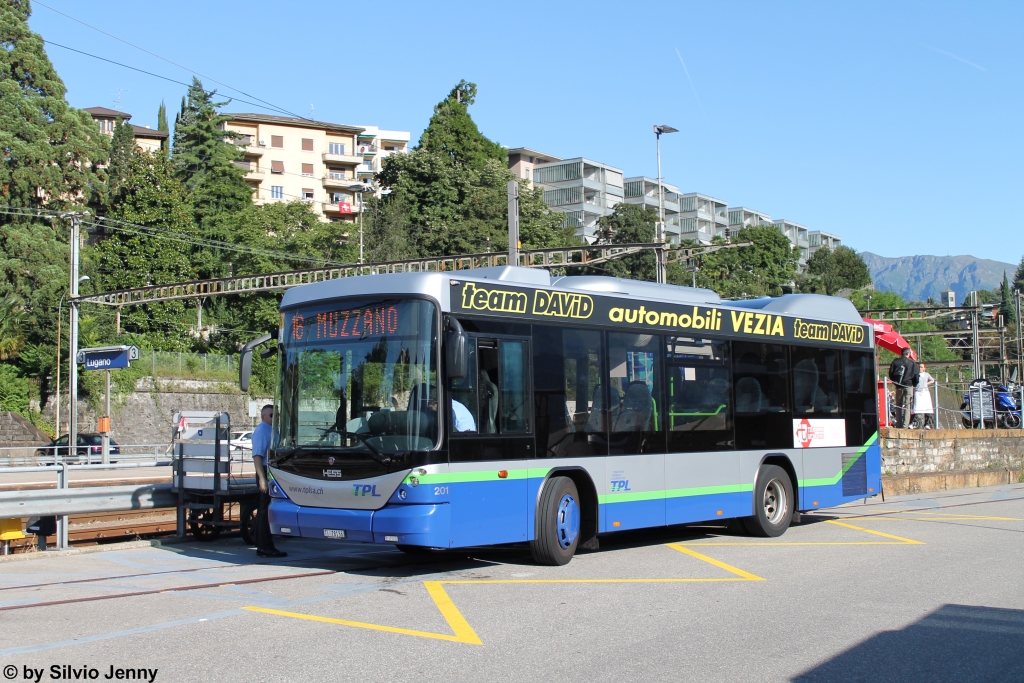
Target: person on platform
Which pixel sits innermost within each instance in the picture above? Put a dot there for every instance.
(261, 439)
(924, 410)
(903, 373)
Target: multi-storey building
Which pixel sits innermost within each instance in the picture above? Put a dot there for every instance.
(522, 161)
(582, 189)
(741, 217)
(816, 239)
(288, 159)
(702, 218)
(797, 235)
(146, 139)
(644, 191)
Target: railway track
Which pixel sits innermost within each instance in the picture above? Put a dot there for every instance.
(111, 527)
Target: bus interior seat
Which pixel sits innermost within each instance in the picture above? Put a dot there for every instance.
(488, 404)
(807, 395)
(595, 423)
(637, 409)
(749, 397)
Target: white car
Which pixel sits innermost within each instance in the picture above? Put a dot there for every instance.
(241, 441)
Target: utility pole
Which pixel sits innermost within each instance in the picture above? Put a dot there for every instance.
(76, 220)
(1020, 369)
(659, 233)
(513, 223)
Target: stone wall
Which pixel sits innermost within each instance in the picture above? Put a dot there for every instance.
(144, 416)
(913, 451)
(17, 431)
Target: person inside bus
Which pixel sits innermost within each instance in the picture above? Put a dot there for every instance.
(462, 417)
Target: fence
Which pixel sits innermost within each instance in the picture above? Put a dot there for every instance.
(958, 405)
(181, 365)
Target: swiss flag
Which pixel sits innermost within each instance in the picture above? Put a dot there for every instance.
(344, 207)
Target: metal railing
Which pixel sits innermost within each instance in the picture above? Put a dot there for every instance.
(142, 455)
(62, 500)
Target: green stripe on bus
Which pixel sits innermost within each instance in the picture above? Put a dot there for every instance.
(479, 475)
(674, 493)
(831, 481)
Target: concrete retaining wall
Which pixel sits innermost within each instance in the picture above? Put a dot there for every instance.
(17, 431)
(913, 451)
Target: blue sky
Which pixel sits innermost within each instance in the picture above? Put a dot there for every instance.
(896, 126)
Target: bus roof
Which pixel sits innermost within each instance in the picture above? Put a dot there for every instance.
(435, 286)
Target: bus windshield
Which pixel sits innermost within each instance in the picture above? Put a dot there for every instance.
(358, 375)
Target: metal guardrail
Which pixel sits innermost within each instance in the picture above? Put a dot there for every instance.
(27, 456)
(61, 502)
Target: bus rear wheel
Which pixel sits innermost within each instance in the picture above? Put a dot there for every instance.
(773, 503)
(558, 522)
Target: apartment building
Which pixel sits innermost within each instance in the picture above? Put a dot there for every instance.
(146, 139)
(288, 159)
(798, 237)
(582, 189)
(522, 161)
(702, 217)
(643, 191)
(816, 239)
(741, 217)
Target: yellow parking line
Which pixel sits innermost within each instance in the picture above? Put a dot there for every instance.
(464, 633)
(876, 533)
(462, 637)
(747, 576)
(778, 543)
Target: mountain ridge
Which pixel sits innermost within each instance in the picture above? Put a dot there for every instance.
(916, 278)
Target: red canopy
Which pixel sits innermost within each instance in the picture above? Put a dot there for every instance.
(889, 339)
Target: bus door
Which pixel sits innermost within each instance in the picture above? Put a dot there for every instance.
(491, 435)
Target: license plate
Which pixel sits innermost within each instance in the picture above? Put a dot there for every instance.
(334, 533)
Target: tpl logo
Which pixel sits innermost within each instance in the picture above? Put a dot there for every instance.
(365, 490)
(620, 485)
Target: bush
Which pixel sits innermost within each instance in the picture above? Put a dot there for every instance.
(13, 390)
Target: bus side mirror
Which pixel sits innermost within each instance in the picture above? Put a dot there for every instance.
(245, 362)
(457, 350)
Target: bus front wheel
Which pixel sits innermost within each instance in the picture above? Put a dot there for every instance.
(773, 503)
(558, 522)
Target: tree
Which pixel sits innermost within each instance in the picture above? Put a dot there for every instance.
(1007, 307)
(830, 271)
(387, 234)
(630, 224)
(122, 147)
(204, 157)
(764, 268)
(52, 157)
(150, 195)
(453, 133)
(161, 125)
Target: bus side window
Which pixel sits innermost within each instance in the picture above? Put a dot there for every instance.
(464, 395)
(760, 375)
(512, 373)
(816, 386)
(635, 409)
(861, 398)
(568, 393)
(699, 416)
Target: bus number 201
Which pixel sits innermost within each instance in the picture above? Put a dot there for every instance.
(440, 490)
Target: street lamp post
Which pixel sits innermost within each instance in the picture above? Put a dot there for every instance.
(660, 232)
(358, 189)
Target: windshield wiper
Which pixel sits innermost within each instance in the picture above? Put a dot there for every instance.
(377, 456)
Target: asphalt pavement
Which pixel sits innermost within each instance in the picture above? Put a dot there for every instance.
(918, 588)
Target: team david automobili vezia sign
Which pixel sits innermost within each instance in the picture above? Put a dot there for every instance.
(543, 305)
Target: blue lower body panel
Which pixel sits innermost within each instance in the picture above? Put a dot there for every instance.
(688, 509)
(491, 512)
(861, 477)
(426, 525)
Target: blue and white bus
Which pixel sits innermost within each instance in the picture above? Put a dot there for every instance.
(503, 405)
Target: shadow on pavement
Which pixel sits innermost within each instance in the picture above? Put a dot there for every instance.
(956, 643)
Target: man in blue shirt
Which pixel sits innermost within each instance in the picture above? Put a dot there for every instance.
(462, 418)
(261, 438)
